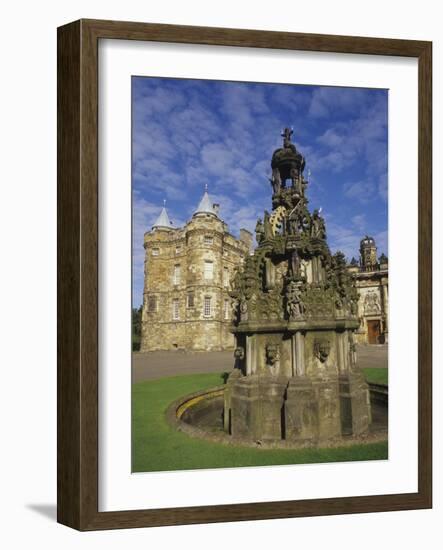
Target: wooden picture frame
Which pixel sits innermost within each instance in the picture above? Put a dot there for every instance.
(78, 274)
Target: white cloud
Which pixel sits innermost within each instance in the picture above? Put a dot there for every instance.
(363, 191)
(359, 221)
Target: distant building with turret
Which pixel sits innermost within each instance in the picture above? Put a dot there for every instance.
(187, 277)
(372, 281)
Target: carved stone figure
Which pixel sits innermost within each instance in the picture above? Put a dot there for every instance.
(272, 354)
(243, 310)
(235, 308)
(352, 349)
(292, 222)
(239, 353)
(267, 228)
(322, 349)
(294, 302)
(294, 265)
(275, 181)
(318, 228)
(286, 135)
(259, 231)
(371, 304)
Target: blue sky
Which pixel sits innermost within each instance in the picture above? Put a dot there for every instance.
(188, 133)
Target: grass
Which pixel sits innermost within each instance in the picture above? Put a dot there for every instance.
(159, 447)
(376, 376)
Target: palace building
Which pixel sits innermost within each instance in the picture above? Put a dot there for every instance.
(188, 270)
(372, 286)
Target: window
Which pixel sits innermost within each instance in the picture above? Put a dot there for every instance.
(207, 306)
(178, 249)
(207, 239)
(209, 270)
(155, 251)
(175, 309)
(225, 277)
(152, 303)
(176, 278)
(190, 299)
(226, 310)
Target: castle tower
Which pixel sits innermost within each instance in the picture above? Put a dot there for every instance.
(368, 254)
(372, 284)
(186, 304)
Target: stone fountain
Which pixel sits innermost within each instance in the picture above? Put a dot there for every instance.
(295, 314)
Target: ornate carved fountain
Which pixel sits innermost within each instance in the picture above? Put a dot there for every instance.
(295, 313)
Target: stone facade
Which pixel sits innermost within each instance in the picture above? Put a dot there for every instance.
(372, 282)
(188, 270)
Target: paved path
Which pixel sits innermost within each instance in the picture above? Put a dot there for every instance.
(157, 364)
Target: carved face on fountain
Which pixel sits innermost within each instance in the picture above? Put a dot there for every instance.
(249, 286)
(239, 353)
(322, 349)
(272, 354)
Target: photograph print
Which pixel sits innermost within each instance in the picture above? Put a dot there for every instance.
(260, 324)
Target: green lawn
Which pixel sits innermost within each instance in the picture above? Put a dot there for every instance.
(376, 376)
(158, 447)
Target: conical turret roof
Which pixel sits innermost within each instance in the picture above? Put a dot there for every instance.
(205, 205)
(163, 221)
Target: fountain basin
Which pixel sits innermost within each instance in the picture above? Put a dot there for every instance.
(200, 415)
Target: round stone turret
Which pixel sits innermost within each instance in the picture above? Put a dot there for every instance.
(368, 254)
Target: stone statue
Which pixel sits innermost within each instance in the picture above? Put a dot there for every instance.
(259, 231)
(294, 264)
(235, 308)
(239, 355)
(296, 181)
(372, 304)
(243, 310)
(286, 135)
(272, 354)
(292, 222)
(275, 181)
(294, 303)
(352, 349)
(267, 228)
(322, 349)
(318, 228)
